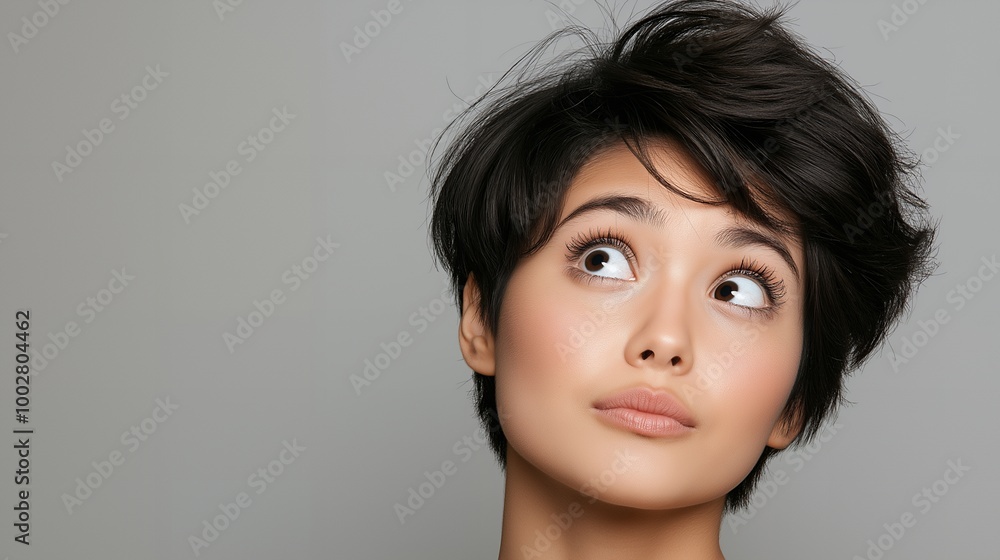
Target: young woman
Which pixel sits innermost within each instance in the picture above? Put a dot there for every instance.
(668, 251)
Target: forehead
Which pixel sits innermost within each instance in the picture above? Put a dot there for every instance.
(616, 167)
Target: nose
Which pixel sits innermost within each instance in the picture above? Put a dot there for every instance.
(661, 335)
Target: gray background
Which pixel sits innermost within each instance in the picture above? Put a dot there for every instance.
(323, 176)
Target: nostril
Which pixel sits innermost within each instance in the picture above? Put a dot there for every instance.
(647, 354)
(675, 360)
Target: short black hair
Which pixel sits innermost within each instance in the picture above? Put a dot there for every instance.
(781, 131)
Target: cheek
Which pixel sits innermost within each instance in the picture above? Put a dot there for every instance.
(550, 348)
(534, 358)
(747, 386)
(549, 338)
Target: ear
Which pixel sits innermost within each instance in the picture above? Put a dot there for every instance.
(786, 429)
(476, 343)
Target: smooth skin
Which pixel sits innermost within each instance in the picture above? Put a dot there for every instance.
(669, 309)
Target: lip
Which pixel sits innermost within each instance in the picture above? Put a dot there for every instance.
(646, 412)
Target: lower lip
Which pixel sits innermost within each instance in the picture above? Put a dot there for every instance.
(643, 423)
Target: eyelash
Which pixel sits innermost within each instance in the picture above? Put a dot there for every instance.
(585, 242)
(772, 286)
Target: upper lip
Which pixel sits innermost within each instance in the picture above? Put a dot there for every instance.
(645, 399)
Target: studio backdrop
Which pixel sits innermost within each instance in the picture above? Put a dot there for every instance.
(224, 334)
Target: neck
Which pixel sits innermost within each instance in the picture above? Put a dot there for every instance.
(544, 519)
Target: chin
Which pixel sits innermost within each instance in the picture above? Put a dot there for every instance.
(629, 476)
(657, 493)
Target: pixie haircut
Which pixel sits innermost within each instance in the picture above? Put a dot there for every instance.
(788, 139)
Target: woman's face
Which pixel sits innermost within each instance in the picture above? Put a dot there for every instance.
(641, 289)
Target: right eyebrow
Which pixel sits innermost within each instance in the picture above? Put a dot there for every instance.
(636, 208)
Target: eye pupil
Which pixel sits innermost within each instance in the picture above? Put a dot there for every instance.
(726, 290)
(595, 261)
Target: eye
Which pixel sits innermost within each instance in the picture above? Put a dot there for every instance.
(742, 291)
(606, 262)
(600, 254)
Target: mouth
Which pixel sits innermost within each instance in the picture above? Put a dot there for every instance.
(645, 412)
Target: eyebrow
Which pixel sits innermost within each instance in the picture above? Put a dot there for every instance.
(640, 210)
(737, 236)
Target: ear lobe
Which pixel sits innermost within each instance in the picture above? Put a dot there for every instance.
(786, 429)
(474, 340)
